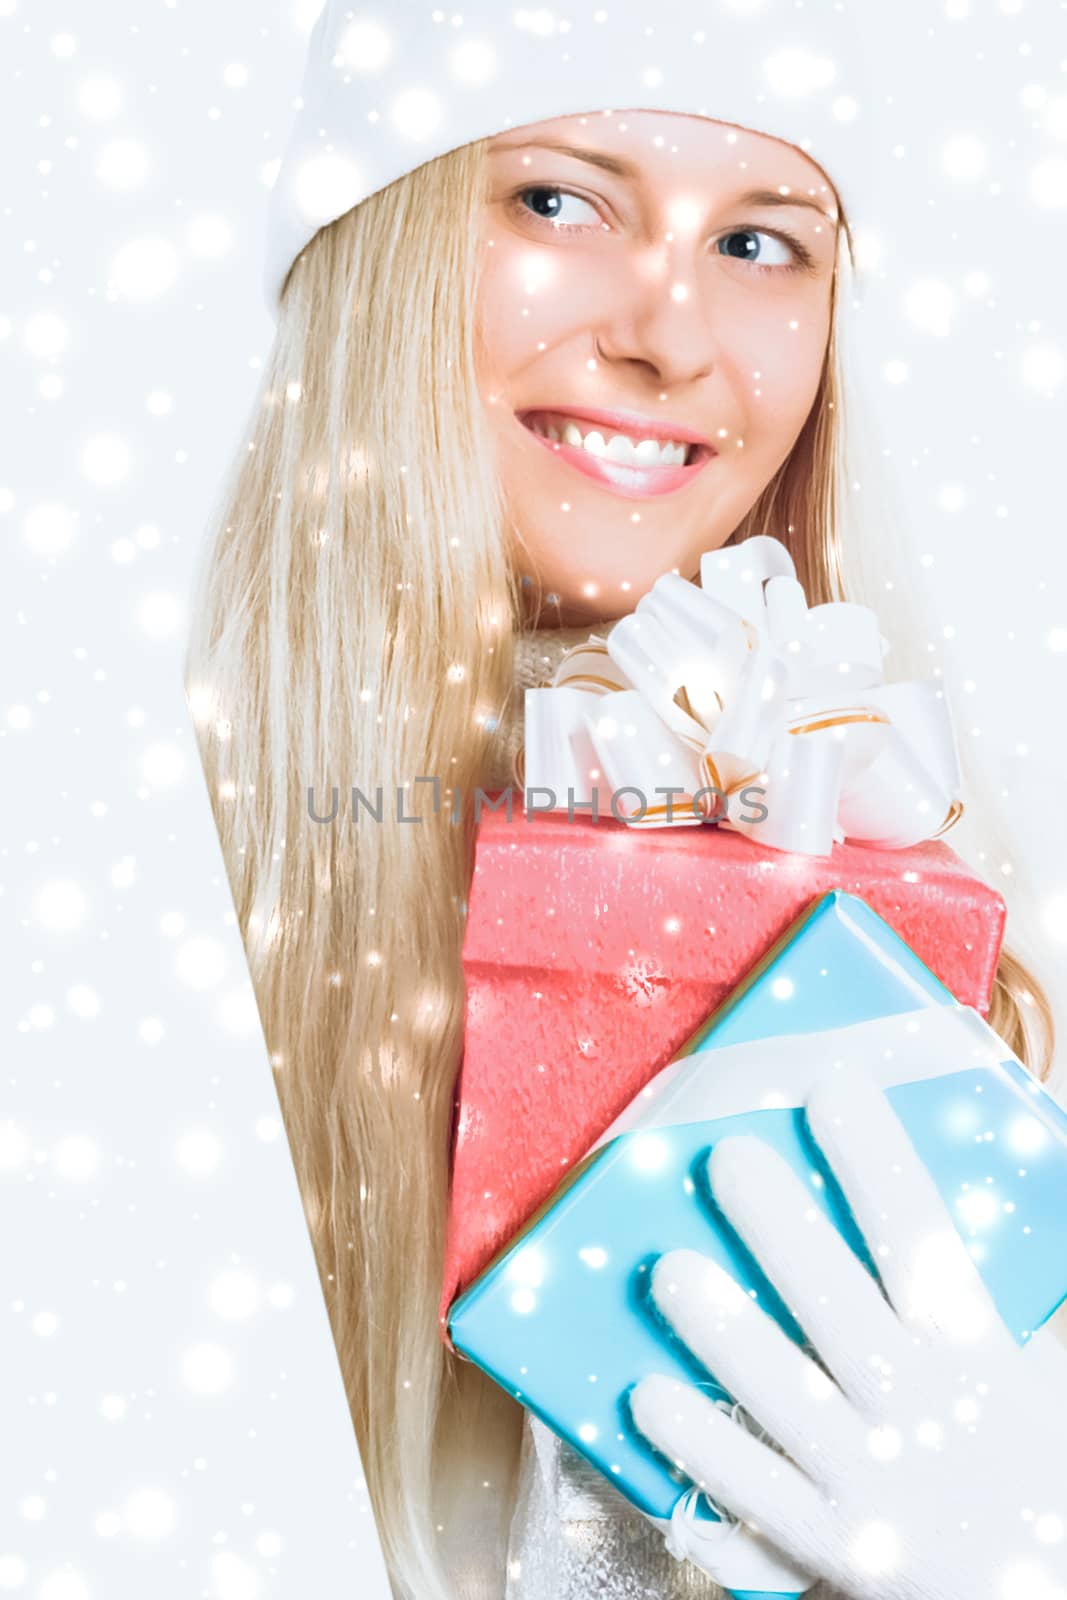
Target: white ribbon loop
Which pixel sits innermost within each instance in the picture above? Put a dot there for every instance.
(771, 717)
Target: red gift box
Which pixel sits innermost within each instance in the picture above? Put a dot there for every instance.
(594, 950)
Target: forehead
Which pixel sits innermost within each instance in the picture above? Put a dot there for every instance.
(662, 144)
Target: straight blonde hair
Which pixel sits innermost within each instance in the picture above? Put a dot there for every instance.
(354, 625)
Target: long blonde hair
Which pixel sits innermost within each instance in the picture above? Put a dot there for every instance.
(354, 625)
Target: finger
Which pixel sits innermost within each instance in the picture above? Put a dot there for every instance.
(739, 1473)
(827, 1289)
(925, 1266)
(757, 1362)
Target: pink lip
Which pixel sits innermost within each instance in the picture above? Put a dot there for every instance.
(632, 483)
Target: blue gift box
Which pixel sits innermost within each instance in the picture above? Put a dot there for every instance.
(562, 1317)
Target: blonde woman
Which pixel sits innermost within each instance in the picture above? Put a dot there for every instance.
(421, 519)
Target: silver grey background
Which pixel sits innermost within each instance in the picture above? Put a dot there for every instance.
(153, 1238)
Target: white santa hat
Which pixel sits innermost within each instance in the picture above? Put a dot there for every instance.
(389, 87)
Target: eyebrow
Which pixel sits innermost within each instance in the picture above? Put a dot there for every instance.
(621, 168)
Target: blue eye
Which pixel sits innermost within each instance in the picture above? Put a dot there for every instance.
(549, 208)
(747, 234)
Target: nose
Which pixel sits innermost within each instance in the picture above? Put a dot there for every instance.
(661, 323)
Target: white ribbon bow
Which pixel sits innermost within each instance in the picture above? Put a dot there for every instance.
(761, 713)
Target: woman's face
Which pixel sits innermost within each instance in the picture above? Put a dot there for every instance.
(653, 314)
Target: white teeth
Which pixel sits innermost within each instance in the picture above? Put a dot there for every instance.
(619, 447)
(647, 451)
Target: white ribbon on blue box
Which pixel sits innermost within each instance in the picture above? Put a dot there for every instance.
(562, 1318)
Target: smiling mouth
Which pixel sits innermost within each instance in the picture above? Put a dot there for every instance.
(633, 447)
(632, 461)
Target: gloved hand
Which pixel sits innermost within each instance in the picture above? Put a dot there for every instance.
(928, 1461)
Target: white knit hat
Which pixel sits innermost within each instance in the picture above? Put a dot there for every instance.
(390, 87)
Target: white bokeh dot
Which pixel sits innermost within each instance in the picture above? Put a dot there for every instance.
(112, 1407)
(952, 497)
(105, 460)
(14, 1148)
(160, 403)
(327, 186)
(83, 1000)
(66, 1584)
(209, 236)
(1054, 917)
(46, 334)
(150, 1030)
(48, 529)
(144, 268)
(235, 75)
(206, 1368)
(201, 962)
(100, 98)
(122, 164)
(45, 1324)
(1048, 183)
(19, 718)
(108, 1524)
(416, 112)
(364, 47)
(305, 13)
(1043, 368)
(233, 1578)
(964, 157)
(76, 1158)
(162, 765)
(798, 71)
(64, 45)
(234, 1295)
(124, 872)
(930, 306)
(199, 1152)
(150, 1514)
(239, 1013)
(60, 905)
(474, 61)
(160, 614)
(13, 1572)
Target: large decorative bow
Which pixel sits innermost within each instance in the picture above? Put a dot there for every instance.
(734, 702)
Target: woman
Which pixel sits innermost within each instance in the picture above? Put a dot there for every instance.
(404, 545)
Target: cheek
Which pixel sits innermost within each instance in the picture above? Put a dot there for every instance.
(779, 362)
(528, 297)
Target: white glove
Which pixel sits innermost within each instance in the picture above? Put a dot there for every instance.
(929, 1460)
